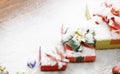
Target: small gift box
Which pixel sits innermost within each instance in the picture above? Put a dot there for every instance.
(86, 55)
(52, 60)
(78, 45)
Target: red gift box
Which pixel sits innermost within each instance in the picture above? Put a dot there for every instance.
(88, 54)
(51, 67)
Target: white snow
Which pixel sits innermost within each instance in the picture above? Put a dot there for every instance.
(26, 26)
(102, 30)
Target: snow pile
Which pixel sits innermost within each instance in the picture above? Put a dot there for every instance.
(104, 20)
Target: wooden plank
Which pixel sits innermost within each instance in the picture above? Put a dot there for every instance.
(6, 3)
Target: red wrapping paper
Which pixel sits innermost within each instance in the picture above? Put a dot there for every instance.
(49, 67)
(84, 58)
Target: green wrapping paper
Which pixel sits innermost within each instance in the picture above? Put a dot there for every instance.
(80, 59)
(73, 45)
(107, 44)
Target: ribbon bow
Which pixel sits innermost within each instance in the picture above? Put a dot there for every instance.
(59, 61)
(115, 25)
(78, 40)
(62, 57)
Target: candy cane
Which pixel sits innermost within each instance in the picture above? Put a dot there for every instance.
(104, 18)
(116, 26)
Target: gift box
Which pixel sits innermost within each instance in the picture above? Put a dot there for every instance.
(86, 55)
(79, 45)
(51, 61)
(106, 20)
(52, 68)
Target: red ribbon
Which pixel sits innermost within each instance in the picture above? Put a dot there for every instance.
(104, 18)
(115, 25)
(54, 58)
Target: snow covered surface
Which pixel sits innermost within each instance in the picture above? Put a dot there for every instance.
(102, 30)
(26, 26)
